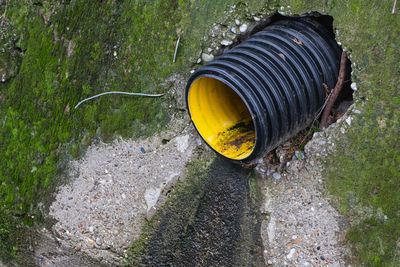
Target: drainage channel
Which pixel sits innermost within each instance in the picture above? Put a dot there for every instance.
(216, 223)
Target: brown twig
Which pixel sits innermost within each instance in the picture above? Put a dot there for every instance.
(335, 93)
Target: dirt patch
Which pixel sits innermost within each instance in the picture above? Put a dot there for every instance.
(117, 187)
(300, 226)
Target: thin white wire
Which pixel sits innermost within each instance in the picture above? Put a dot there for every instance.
(117, 92)
(176, 49)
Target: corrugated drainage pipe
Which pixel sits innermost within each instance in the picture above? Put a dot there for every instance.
(264, 90)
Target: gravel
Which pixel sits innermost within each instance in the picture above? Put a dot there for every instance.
(118, 186)
(301, 228)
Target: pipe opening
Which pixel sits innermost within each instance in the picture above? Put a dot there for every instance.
(221, 118)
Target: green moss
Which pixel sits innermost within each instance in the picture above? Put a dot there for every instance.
(207, 13)
(70, 55)
(364, 173)
(66, 51)
(7, 236)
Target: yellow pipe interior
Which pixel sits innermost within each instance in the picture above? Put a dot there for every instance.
(222, 118)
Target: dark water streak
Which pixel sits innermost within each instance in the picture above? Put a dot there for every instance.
(222, 228)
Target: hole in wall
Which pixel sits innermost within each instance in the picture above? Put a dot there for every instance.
(342, 103)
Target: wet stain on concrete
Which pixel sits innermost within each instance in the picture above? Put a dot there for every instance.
(220, 226)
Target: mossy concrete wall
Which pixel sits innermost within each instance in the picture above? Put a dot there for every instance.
(55, 53)
(364, 173)
(59, 52)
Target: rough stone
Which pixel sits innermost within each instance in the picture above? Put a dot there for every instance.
(226, 42)
(348, 120)
(276, 176)
(207, 57)
(291, 253)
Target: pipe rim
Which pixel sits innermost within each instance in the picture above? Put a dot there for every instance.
(231, 85)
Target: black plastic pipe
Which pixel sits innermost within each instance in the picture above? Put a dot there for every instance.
(265, 90)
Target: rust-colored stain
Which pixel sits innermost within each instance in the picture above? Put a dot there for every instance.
(236, 142)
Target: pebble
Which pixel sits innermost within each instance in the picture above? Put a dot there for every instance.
(276, 176)
(78, 247)
(237, 22)
(321, 143)
(299, 155)
(356, 111)
(90, 242)
(256, 19)
(234, 30)
(353, 86)
(269, 262)
(243, 28)
(207, 57)
(142, 150)
(291, 253)
(198, 61)
(348, 120)
(99, 241)
(226, 42)
(91, 229)
(260, 169)
(304, 263)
